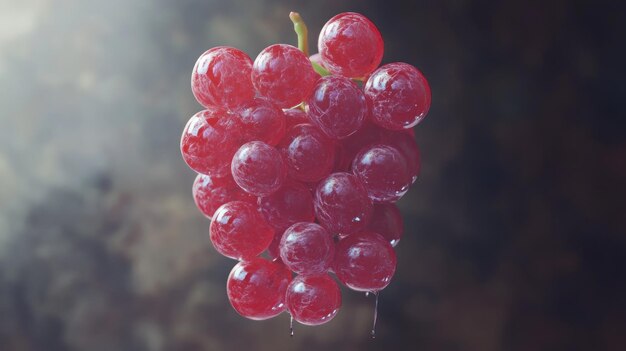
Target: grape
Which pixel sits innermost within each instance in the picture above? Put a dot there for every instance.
(210, 192)
(364, 261)
(239, 231)
(313, 299)
(307, 248)
(400, 96)
(387, 221)
(256, 288)
(384, 172)
(295, 116)
(408, 148)
(308, 153)
(206, 132)
(262, 121)
(258, 168)
(283, 74)
(290, 204)
(221, 78)
(337, 106)
(350, 45)
(341, 204)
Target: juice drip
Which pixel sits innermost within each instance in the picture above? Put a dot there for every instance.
(373, 333)
(290, 325)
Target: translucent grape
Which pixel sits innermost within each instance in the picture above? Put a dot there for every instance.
(364, 261)
(350, 45)
(337, 106)
(313, 299)
(307, 248)
(206, 132)
(221, 78)
(239, 231)
(308, 153)
(341, 204)
(256, 288)
(262, 121)
(258, 168)
(383, 171)
(400, 96)
(283, 74)
(211, 192)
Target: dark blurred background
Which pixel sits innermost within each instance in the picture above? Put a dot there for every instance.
(515, 233)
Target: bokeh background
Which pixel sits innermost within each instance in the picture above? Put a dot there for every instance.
(515, 232)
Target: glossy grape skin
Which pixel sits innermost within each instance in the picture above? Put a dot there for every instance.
(256, 288)
(290, 204)
(308, 153)
(283, 74)
(383, 171)
(209, 193)
(364, 261)
(341, 204)
(337, 106)
(221, 78)
(407, 146)
(206, 132)
(295, 116)
(262, 121)
(350, 45)
(307, 248)
(399, 94)
(313, 299)
(258, 168)
(239, 231)
(387, 221)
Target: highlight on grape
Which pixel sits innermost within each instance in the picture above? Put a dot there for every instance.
(301, 159)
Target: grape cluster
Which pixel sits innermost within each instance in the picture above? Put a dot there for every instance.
(300, 161)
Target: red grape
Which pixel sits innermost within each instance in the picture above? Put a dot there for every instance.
(283, 74)
(307, 248)
(308, 153)
(258, 168)
(313, 299)
(341, 204)
(387, 221)
(221, 77)
(256, 288)
(210, 192)
(337, 106)
(350, 45)
(364, 261)
(239, 231)
(262, 121)
(290, 204)
(384, 172)
(205, 133)
(400, 96)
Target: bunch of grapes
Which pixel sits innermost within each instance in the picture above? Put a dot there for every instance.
(300, 161)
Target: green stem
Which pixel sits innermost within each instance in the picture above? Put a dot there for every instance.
(303, 34)
(303, 40)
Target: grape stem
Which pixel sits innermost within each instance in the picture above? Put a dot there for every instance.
(303, 40)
